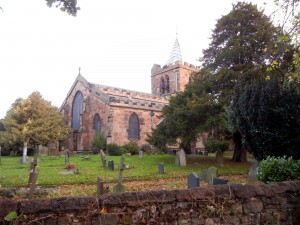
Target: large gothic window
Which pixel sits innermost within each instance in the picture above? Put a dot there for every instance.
(167, 84)
(162, 86)
(97, 123)
(134, 127)
(77, 110)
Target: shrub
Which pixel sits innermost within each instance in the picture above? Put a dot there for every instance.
(147, 149)
(131, 147)
(214, 145)
(278, 169)
(99, 142)
(113, 149)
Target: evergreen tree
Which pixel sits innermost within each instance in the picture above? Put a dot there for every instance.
(244, 45)
(267, 115)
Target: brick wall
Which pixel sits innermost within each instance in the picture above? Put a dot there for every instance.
(277, 203)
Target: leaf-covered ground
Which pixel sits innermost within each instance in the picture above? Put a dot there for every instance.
(161, 184)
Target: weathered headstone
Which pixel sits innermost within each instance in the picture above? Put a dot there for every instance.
(103, 160)
(181, 157)
(161, 168)
(40, 150)
(119, 187)
(141, 154)
(193, 180)
(11, 153)
(67, 157)
(219, 158)
(32, 185)
(111, 165)
(252, 172)
(208, 175)
(100, 186)
(177, 160)
(33, 175)
(45, 151)
(217, 181)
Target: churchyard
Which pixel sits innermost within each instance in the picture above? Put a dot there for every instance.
(76, 175)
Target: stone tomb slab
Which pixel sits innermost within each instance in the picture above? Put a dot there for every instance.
(218, 181)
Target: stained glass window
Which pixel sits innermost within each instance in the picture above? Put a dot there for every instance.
(134, 127)
(97, 123)
(77, 110)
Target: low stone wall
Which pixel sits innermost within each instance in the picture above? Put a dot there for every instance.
(277, 203)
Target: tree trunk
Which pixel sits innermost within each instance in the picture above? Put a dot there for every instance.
(240, 153)
(24, 157)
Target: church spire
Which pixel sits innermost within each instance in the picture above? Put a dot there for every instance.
(175, 53)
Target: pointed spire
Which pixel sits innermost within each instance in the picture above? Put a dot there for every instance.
(175, 54)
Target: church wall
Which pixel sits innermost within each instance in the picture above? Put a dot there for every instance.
(121, 122)
(91, 106)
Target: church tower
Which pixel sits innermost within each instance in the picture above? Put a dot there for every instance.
(173, 76)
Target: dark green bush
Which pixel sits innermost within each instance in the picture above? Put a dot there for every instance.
(99, 142)
(147, 149)
(214, 145)
(113, 149)
(131, 147)
(276, 169)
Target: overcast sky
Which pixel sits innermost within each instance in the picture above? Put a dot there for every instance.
(115, 42)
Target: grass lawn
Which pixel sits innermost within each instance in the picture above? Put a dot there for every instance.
(14, 174)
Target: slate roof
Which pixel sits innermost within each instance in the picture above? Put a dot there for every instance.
(175, 53)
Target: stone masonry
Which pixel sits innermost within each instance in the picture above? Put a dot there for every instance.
(237, 204)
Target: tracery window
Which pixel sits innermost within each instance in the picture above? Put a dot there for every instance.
(77, 110)
(134, 127)
(167, 84)
(162, 86)
(97, 123)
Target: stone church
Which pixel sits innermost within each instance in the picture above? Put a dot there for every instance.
(122, 115)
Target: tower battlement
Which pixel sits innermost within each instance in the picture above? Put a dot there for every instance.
(157, 69)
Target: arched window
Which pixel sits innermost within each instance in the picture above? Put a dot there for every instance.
(162, 86)
(167, 84)
(97, 123)
(134, 127)
(77, 110)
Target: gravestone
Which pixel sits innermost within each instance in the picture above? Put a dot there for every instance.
(252, 172)
(219, 158)
(11, 153)
(217, 181)
(177, 161)
(119, 187)
(103, 160)
(161, 168)
(45, 151)
(100, 186)
(141, 154)
(67, 157)
(208, 175)
(111, 165)
(193, 180)
(40, 150)
(180, 159)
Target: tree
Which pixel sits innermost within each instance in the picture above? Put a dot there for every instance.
(34, 121)
(68, 6)
(188, 114)
(244, 44)
(267, 115)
